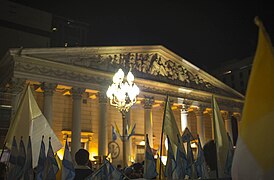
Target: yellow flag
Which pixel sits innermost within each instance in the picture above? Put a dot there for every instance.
(220, 138)
(170, 127)
(254, 155)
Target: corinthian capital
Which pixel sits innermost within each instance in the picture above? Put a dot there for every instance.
(148, 102)
(48, 88)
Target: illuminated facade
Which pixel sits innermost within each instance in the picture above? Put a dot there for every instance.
(70, 88)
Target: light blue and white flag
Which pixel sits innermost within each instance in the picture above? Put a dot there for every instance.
(41, 161)
(21, 159)
(13, 167)
(171, 163)
(51, 165)
(68, 171)
(29, 174)
(181, 161)
(200, 163)
(150, 164)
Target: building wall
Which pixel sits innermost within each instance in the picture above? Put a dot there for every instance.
(21, 26)
(62, 120)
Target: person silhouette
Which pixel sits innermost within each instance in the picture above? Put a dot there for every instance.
(82, 169)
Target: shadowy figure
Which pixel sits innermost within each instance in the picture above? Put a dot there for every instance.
(82, 169)
(211, 157)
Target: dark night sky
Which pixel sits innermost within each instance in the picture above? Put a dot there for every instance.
(205, 33)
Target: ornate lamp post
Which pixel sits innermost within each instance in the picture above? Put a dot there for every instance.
(122, 94)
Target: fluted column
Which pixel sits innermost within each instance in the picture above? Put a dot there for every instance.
(17, 86)
(148, 102)
(200, 124)
(102, 143)
(76, 119)
(228, 125)
(48, 93)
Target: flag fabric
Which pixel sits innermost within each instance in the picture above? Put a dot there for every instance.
(29, 121)
(200, 162)
(117, 131)
(150, 165)
(13, 167)
(170, 127)
(160, 167)
(171, 163)
(251, 159)
(107, 172)
(229, 157)
(181, 161)
(29, 174)
(220, 138)
(190, 169)
(41, 161)
(51, 165)
(21, 159)
(131, 131)
(114, 135)
(68, 171)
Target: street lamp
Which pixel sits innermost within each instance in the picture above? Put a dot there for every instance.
(122, 94)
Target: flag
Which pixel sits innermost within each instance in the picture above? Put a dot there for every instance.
(160, 167)
(171, 163)
(150, 165)
(21, 159)
(107, 172)
(114, 136)
(190, 169)
(29, 121)
(117, 130)
(68, 171)
(51, 165)
(251, 159)
(187, 135)
(200, 162)
(170, 127)
(181, 161)
(229, 157)
(29, 174)
(13, 167)
(131, 131)
(220, 138)
(41, 161)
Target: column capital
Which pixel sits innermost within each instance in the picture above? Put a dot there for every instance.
(200, 110)
(148, 102)
(77, 92)
(102, 97)
(48, 88)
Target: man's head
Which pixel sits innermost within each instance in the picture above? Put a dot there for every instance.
(82, 157)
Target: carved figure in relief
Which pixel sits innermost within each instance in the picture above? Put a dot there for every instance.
(182, 74)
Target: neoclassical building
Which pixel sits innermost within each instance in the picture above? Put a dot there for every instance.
(70, 85)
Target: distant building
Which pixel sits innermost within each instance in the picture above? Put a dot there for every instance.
(68, 33)
(22, 26)
(26, 27)
(235, 73)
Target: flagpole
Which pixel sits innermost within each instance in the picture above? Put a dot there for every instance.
(160, 173)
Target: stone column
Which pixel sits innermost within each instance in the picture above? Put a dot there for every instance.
(200, 124)
(228, 124)
(48, 93)
(102, 132)
(184, 122)
(17, 86)
(76, 119)
(148, 102)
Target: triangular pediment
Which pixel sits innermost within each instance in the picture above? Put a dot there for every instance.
(155, 63)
